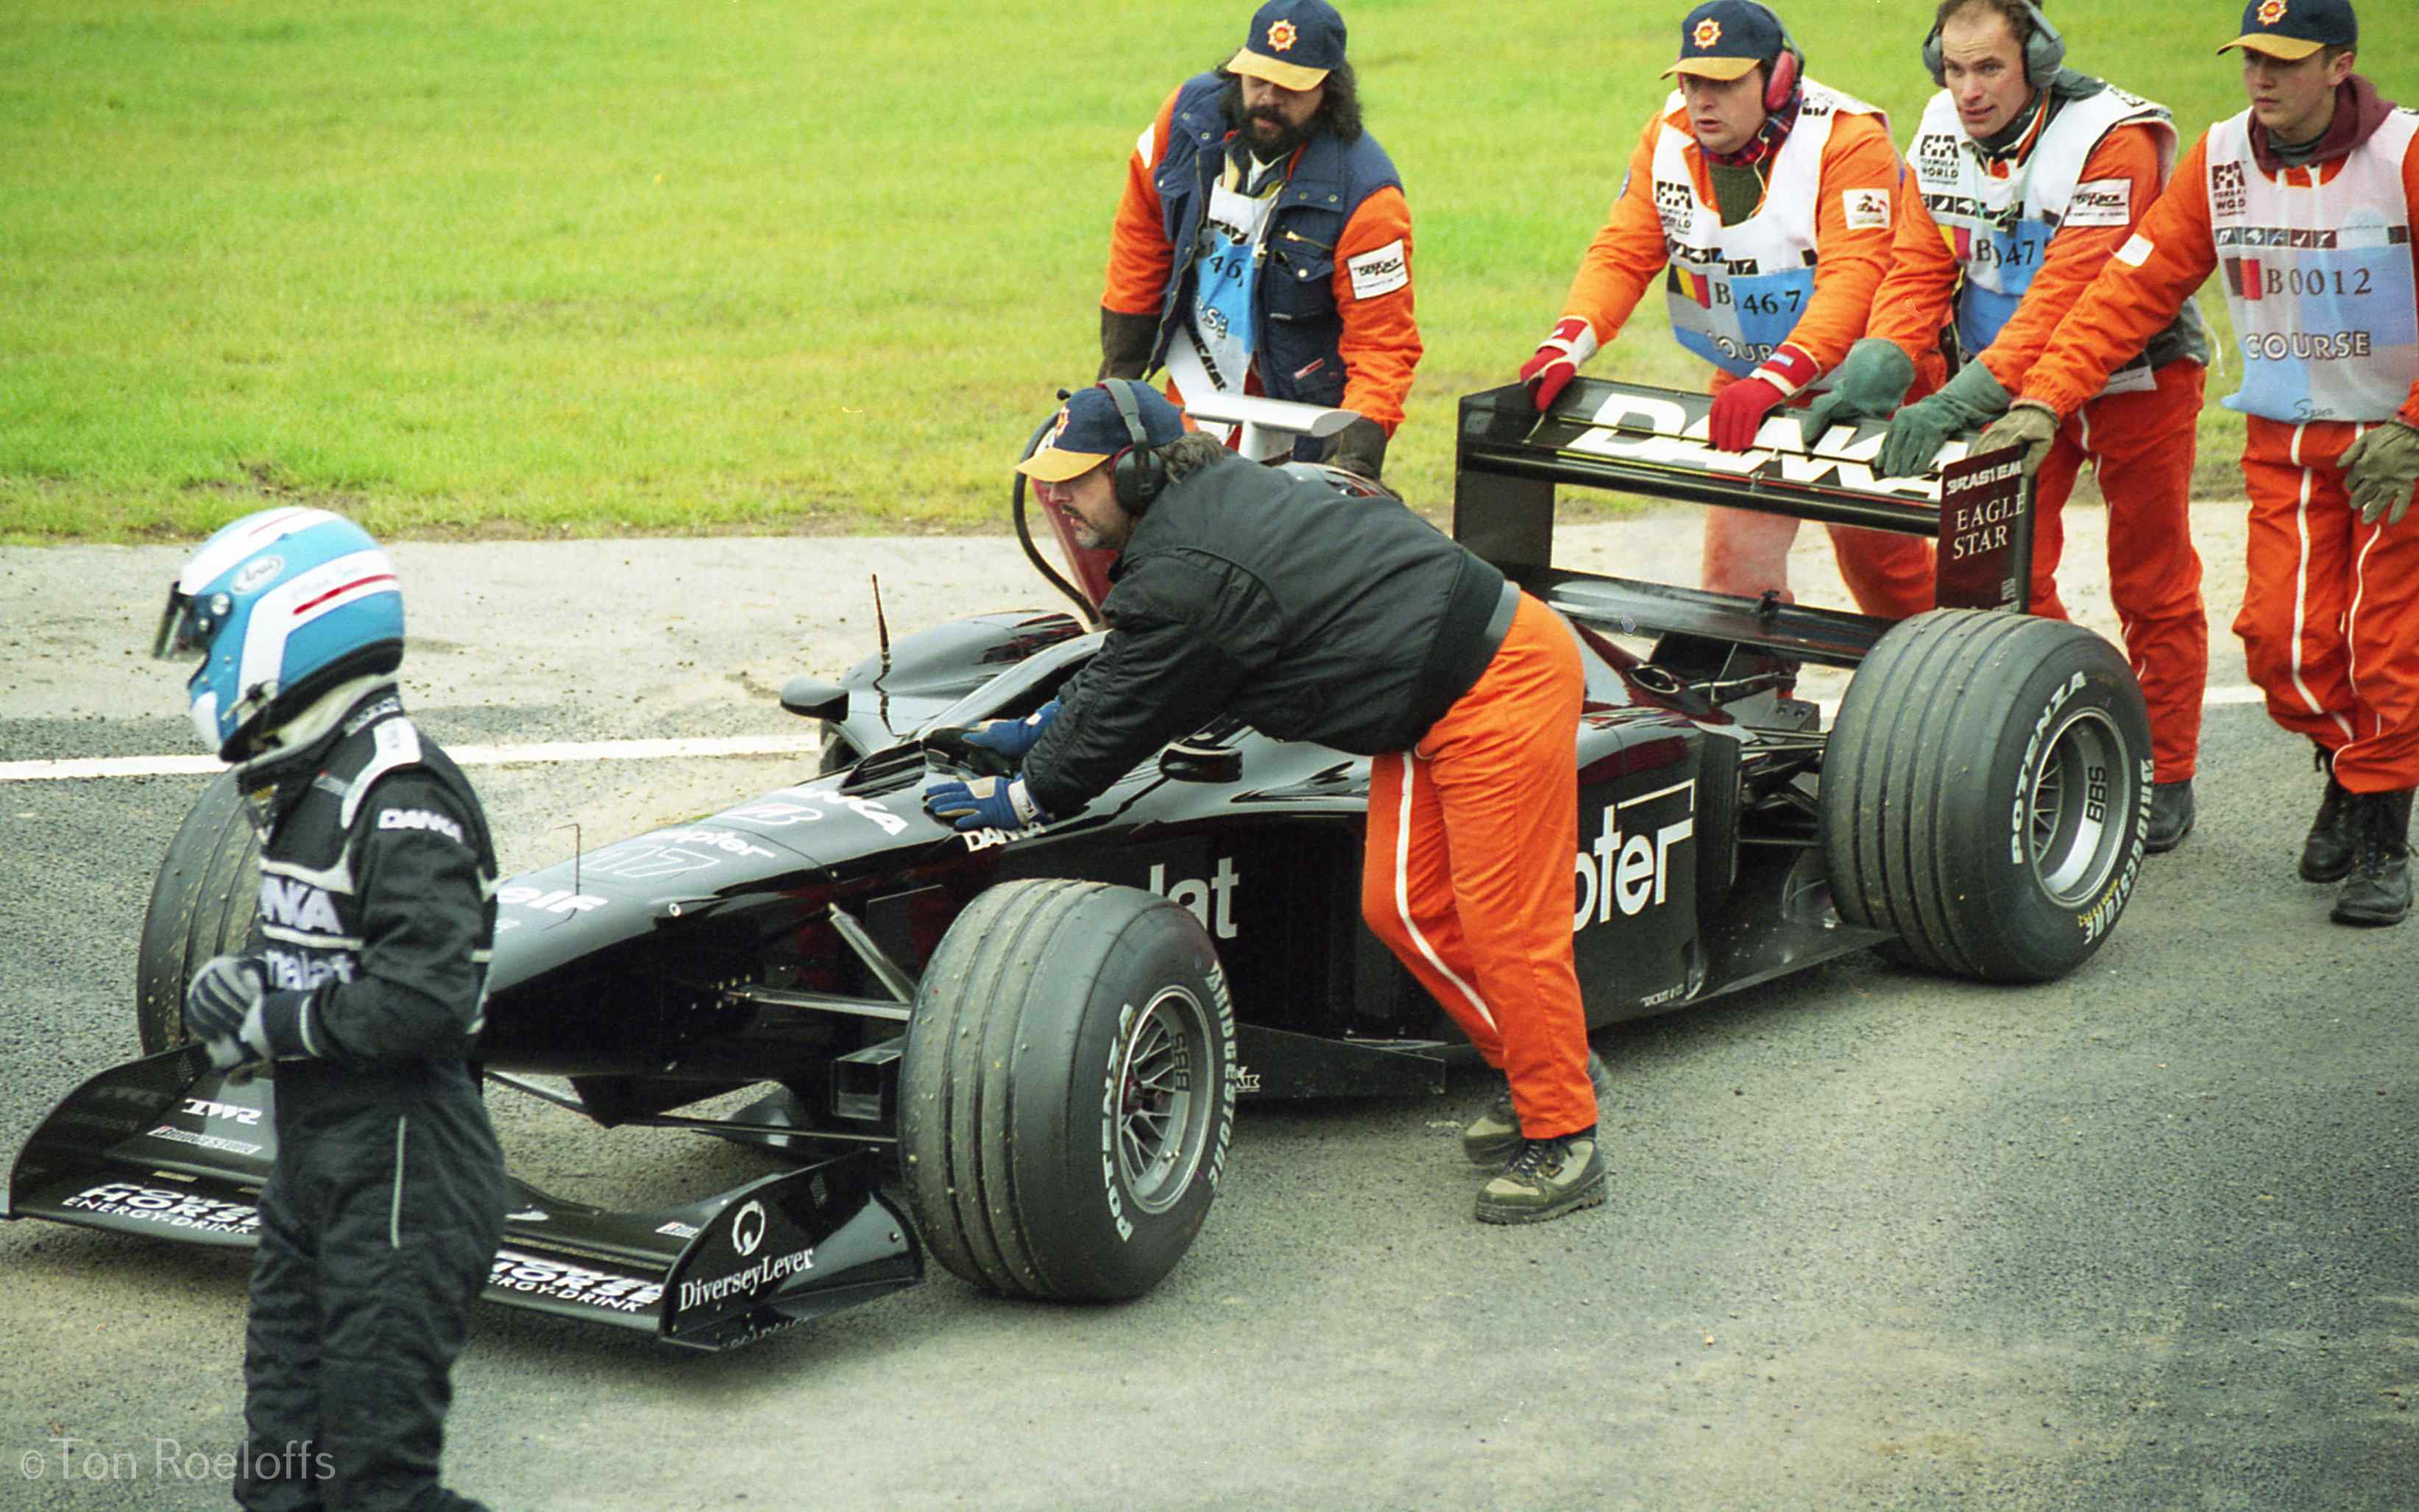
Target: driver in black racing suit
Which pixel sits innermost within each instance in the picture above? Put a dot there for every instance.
(380, 1220)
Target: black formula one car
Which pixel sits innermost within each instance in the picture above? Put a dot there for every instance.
(1021, 1053)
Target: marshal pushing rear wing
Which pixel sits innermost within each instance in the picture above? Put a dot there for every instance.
(1508, 460)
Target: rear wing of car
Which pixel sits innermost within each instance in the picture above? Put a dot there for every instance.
(1508, 460)
(165, 1148)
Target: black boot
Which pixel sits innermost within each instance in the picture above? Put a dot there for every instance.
(2172, 812)
(2326, 856)
(2378, 889)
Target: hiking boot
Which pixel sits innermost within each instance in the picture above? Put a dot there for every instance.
(2326, 856)
(1495, 1134)
(2378, 891)
(1545, 1178)
(2172, 814)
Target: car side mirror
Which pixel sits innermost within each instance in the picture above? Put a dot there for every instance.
(814, 698)
(1185, 762)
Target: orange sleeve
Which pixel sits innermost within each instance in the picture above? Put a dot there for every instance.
(2136, 293)
(2409, 410)
(1139, 255)
(1626, 254)
(2076, 254)
(1917, 295)
(1849, 260)
(1380, 340)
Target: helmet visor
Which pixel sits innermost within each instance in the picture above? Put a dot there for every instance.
(184, 633)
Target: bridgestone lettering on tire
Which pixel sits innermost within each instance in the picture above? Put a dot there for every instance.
(1986, 793)
(1066, 1096)
(204, 902)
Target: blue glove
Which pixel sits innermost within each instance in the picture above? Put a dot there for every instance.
(1012, 738)
(223, 1009)
(984, 803)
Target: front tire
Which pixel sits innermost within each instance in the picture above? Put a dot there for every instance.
(1986, 793)
(204, 902)
(1066, 1094)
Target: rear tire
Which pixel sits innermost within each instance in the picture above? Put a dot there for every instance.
(1986, 793)
(1067, 1093)
(204, 902)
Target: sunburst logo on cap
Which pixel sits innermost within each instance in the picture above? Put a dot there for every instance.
(1057, 430)
(1709, 31)
(1281, 36)
(2272, 12)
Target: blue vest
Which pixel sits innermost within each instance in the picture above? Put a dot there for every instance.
(1293, 298)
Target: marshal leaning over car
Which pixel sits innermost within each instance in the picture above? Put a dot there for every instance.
(383, 1208)
(1313, 616)
(2305, 199)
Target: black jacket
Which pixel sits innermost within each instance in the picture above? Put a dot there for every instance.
(377, 915)
(1304, 613)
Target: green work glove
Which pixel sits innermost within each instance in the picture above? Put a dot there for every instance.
(2028, 423)
(1970, 400)
(2380, 471)
(1866, 385)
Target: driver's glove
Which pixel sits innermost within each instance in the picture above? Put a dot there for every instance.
(2380, 471)
(1557, 360)
(983, 803)
(2028, 423)
(1012, 738)
(1969, 401)
(1359, 447)
(1866, 385)
(223, 1009)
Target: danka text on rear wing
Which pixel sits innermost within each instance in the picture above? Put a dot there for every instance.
(1508, 460)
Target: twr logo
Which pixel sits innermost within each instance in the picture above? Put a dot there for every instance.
(1281, 37)
(1709, 31)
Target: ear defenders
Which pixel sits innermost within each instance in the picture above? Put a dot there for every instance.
(1788, 69)
(1137, 474)
(2045, 51)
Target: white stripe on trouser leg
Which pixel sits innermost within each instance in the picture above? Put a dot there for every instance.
(1403, 892)
(2301, 589)
(2359, 592)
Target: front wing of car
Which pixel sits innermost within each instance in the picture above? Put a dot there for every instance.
(167, 1148)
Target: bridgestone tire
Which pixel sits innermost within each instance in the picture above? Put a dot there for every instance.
(1986, 793)
(203, 902)
(1066, 1094)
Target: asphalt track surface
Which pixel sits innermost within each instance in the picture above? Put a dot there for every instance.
(2144, 1238)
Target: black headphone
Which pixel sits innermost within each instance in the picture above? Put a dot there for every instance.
(1788, 66)
(1137, 474)
(2044, 51)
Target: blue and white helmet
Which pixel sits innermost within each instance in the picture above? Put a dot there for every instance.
(281, 607)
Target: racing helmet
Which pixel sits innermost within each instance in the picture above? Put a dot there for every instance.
(281, 605)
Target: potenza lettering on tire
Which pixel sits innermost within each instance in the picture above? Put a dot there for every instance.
(1985, 794)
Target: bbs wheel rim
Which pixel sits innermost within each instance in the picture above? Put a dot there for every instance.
(1162, 1109)
(2079, 809)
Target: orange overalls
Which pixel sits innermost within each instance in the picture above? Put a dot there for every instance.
(2139, 443)
(2329, 620)
(1467, 872)
(1746, 552)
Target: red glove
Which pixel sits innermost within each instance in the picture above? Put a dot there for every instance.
(1558, 360)
(1738, 411)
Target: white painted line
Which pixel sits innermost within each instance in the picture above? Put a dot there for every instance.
(549, 752)
(75, 768)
